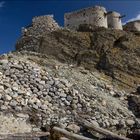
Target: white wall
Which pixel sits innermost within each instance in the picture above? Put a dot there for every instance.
(94, 16)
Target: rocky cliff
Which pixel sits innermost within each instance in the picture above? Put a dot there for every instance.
(57, 77)
(113, 52)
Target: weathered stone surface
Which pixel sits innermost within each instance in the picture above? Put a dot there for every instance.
(110, 51)
(74, 128)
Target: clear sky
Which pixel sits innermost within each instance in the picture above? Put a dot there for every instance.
(15, 14)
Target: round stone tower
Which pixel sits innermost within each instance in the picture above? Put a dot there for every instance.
(114, 20)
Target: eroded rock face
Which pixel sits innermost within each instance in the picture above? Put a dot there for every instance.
(116, 53)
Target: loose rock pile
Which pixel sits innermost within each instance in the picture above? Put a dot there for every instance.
(60, 94)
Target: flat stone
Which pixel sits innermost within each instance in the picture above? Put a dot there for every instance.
(63, 95)
(7, 97)
(1, 87)
(112, 93)
(3, 107)
(21, 115)
(44, 107)
(18, 108)
(15, 88)
(73, 127)
(17, 66)
(35, 106)
(130, 122)
(95, 123)
(13, 103)
(42, 82)
(67, 103)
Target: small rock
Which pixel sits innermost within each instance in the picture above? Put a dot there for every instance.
(7, 97)
(104, 103)
(62, 95)
(15, 88)
(13, 103)
(36, 129)
(1, 87)
(35, 106)
(18, 108)
(3, 107)
(112, 93)
(44, 107)
(42, 82)
(67, 103)
(95, 123)
(69, 98)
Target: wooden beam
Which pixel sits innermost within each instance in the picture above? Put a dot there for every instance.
(69, 135)
(102, 131)
(64, 138)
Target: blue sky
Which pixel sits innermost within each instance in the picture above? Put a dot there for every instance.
(15, 14)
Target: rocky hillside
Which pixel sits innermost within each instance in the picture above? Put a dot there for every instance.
(37, 90)
(113, 52)
(58, 77)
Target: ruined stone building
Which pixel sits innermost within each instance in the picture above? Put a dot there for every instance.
(132, 26)
(40, 26)
(96, 16)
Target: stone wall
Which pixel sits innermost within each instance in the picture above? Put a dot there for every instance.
(40, 26)
(114, 20)
(94, 16)
(132, 26)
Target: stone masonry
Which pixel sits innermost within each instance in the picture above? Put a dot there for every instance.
(94, 16)
(41, 25)
(114, 20)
